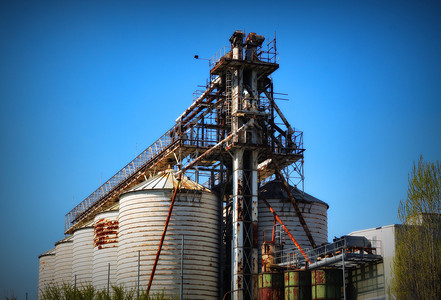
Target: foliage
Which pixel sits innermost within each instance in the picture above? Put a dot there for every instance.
(417, 262)
(88, 292)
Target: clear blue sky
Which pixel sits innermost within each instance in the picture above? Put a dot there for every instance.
(85, 85)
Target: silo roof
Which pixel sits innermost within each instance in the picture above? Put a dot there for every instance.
(166, 180)
(48, 253)
(275, 190)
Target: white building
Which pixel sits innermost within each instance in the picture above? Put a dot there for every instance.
(373, 280)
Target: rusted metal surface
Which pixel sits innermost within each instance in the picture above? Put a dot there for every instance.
(284, 228)
(326, 284)
(63, 261)
(271, 286)
(82, 255)
(231, 114)
(285, 185)
(106, 233)
(105, 249)
(297, 285)
(155, 264)
(268, 259)
(141, 223)
(314, 211)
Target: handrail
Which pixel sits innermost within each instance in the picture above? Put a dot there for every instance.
(131, 168)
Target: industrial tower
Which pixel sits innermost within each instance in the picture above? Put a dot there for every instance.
(232, 138)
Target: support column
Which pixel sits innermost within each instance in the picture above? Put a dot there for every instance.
(238, 227)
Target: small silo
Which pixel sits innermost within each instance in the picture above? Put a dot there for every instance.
(313, 210)
(82, 255)
(143, 211)
(63, 261)
(105, 249)
(46, 271)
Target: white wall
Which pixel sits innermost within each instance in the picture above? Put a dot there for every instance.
(386, 235)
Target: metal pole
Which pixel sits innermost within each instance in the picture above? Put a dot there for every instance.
(344, 277)
(26, 295)
(181, 297)
(285, 228)
(75, 287)
(152, 275)
(108, 279)
(139, 261)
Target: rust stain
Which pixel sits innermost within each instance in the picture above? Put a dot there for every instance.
(255, 235)
(239, 209)
(239, 282)
(105, 233)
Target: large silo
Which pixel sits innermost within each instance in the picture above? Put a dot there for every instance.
(82, 256)
(143, 211)
(105, 250)
(313, 210)
(46, 271)
(63, 261)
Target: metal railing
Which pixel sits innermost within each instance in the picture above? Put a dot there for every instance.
(268, 54)
(196, 136)
(131, 168)
(330, 254)
(218, 55)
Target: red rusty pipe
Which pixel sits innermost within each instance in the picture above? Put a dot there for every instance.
(163, 234)
(284, 228)
(302, 221)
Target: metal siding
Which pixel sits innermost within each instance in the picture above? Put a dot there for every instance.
(82, 256)
(315, 215)
(46, 272)
(105, 250)
(63, 261)
(141, 219)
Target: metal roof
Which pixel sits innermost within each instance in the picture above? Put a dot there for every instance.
(166, 180)
(274, 190)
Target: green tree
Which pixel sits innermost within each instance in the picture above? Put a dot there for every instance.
(417, 262)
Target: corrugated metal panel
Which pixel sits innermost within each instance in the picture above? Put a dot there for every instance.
(46, 270)
(142, 217)
(105, 249)
(63, 261)
(82, 255)
(313, 210)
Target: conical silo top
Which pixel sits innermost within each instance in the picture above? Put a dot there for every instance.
(167, 180)
(275, 190)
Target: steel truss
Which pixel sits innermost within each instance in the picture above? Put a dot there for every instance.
(235, 121)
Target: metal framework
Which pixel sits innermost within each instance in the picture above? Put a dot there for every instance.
(232, 138)
(344, 252)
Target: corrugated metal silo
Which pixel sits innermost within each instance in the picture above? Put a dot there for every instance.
(46, 270)
(105, 250)
(314, 212)
(82, 256)
(63, 261)
(142, 214)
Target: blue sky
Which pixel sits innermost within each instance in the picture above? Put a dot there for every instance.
(86, 85)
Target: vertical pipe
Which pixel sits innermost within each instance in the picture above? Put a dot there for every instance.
(237, 258)
(254, 221)
(108, 279)
(181, 296)
(139, 262)
(344, 277)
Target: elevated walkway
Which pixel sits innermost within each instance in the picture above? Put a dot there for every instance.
(348, 251)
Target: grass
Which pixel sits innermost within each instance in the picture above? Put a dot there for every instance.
(89, 292)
